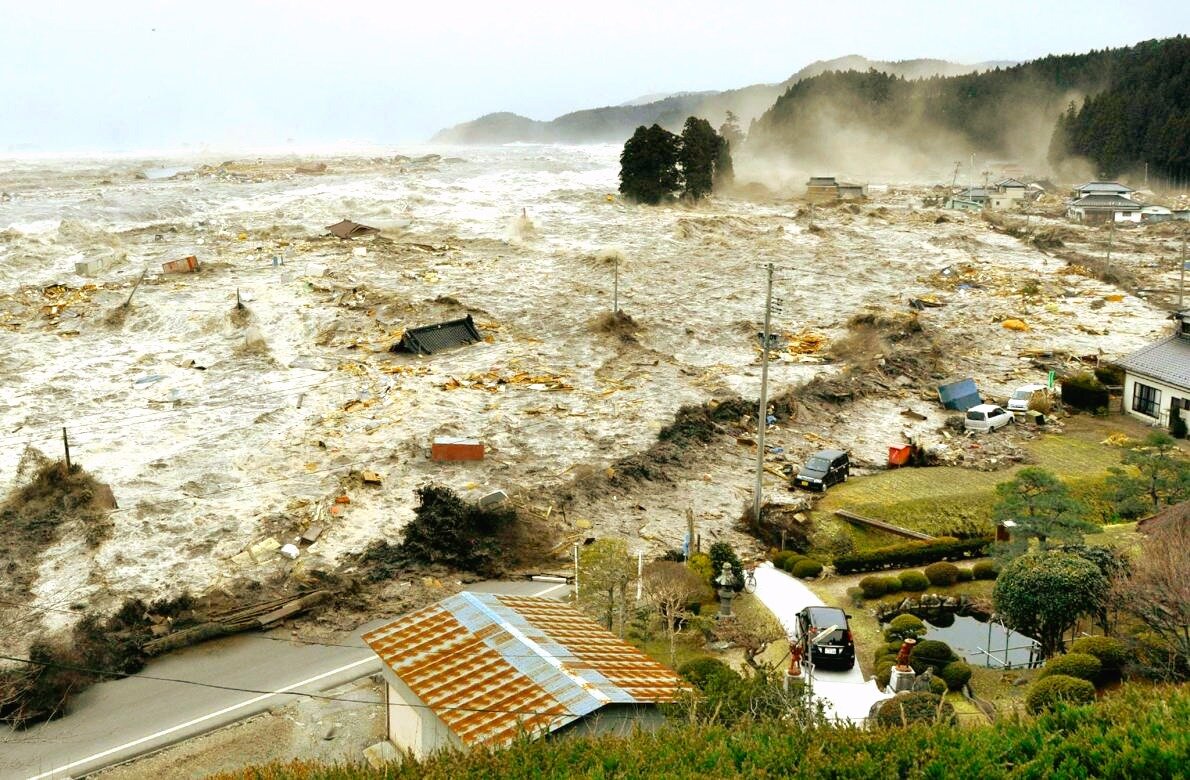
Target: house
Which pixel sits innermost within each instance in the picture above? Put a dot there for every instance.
(1098, 208)
(1012, 188)
(820, 188)
(1157, 377)
(1102, 188)
(963, 204)
(479, 669)
(1155, 214)
(980, 195)
(848, 191)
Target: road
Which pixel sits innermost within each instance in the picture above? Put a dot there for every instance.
(847, 696)
(115, 721)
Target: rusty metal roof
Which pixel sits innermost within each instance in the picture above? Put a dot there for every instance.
(346, 229)
(491, 666)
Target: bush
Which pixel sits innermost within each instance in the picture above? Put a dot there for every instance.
(942, 573)
(856, 595)
(873, 587)
(784, 559)
(892, 584)
(938, 686)
(914, 707)
(448, 531)
(1084, 391)
(1047, 692)
(955, 674)
(904, 627)
(912, 554)
(986, 570)
(700, 564)
(1111, 652)
(706, 672)
(965, 575)
(806, 568)
(883, 674)
(1081, 665)
(931, 654)
(721, 553)
(914, 581)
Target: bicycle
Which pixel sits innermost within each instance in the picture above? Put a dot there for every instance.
(750, 580)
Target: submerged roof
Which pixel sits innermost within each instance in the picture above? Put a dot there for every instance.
(1166, 361)
(429, 339)
(1104, 186)
(822, 181)
(492, 666)
(1105, 201)
(348, 229)
(1010, 183)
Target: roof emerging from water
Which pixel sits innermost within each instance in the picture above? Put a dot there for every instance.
(492, 666)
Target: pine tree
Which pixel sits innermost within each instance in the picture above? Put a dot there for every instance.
(649, 165)
(730, 130)
(700, 149)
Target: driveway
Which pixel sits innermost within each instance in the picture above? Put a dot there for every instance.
(114, 721)
(847, 696)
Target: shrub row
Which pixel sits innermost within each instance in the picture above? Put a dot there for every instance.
(912, 554)
(798, 565)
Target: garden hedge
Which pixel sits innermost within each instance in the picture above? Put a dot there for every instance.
(806, 568)
(1080, 665)
(1111, 652)
(914, 581)
(1047, 692)
(942, 573)
(899, 556)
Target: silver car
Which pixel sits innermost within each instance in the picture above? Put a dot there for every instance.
(987, 418)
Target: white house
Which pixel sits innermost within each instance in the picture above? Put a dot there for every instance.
(481, 669)
(1013, 189)
(1157, 377)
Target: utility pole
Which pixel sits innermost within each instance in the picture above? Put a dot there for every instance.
(763, 413)
(1111, 234)
(616, 286)
(971, 175)
(955, 177)
(66, 446)
(1182, 273)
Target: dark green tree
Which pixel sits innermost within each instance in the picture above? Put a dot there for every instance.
(698, 157)
(1042, 594)
(730, 130)
(724, 174)
(1159, 476)
(649, 165)
(1042, 508)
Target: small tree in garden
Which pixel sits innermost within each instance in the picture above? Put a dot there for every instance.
(1162, 476)
(721, 553)
(671, 588)
(1042, 594)
(752, 629)
(1042, 508)
(605, 569)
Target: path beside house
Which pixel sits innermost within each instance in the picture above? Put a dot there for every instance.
(847, 696)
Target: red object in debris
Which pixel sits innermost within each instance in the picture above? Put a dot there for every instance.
(899, 455)
(342, 500)
(447, 448)
(184, 266)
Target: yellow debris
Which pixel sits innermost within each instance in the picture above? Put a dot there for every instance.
(1113, 298)
(1117, 439)
(1015, 324)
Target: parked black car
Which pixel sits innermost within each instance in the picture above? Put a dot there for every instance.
(835, 650)
(823, 469)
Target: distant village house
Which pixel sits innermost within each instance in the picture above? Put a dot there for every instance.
(1097, 202)
(826, 188)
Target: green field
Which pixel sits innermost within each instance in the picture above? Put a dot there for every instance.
(948, 500)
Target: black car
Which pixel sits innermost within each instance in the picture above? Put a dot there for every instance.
(823, 469)
(834, 650)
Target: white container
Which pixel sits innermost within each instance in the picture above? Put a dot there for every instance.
(290, 551)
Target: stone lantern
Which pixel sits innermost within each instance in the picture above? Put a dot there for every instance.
(726, 583)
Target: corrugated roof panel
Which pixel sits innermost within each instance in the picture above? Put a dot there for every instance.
(491, 667)
(1167, 360)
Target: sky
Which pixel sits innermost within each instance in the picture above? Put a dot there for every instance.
(125, 76)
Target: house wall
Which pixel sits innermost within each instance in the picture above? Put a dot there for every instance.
(819, 194)
(1168, 393)
(1002, 202)
(414, 728)
(614, 719)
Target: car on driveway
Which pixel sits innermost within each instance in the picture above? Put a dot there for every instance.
(825, 637)
(987, 418)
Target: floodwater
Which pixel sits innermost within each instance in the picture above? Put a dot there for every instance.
(218, 429)
(974, 641)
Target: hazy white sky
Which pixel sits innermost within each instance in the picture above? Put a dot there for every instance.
(138, 74)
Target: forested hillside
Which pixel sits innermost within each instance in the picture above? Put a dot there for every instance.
(1136, 109)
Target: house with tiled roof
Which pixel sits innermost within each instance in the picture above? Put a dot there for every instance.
(1157, 377)
(480, 669)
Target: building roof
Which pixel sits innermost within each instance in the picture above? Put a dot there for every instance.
(1104, 186)
(1167, 360)
(1106, 201)
(1010, 183)
(429, 339)
(850, 185)
(976, 192)
(347, 229)
(492, 666)
(822, 181)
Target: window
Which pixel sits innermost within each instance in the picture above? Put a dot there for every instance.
(1145, 399)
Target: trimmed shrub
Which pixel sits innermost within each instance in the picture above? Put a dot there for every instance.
(1111, 652)
(700, 564)
(883, 673)
(986, 570)
(806, 568)
(931, 654)
(965, 575)
(873, 587)
(1081, 665)
(914, 581)
(892, 583)
(942, 573)
(856, 595)
(784, 559)
(1048, 692)
(914, 707)
(912, 554)
(955, 674)
(904, 627)
(938, 686)
(704, 672)
(886, 649)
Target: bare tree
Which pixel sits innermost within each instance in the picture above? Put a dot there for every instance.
(672, 587)
(752, 629)
(1156, 590)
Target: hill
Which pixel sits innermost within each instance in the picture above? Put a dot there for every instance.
(1137, 108)
(613, 124)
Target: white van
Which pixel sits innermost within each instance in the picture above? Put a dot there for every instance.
(987, 418)
(1023, 395)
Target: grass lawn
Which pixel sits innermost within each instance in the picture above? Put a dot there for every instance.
(947, 499)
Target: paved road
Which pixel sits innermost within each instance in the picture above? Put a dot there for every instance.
(114, 721)
(846, 695)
